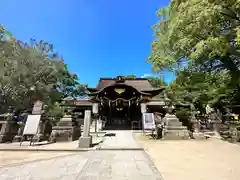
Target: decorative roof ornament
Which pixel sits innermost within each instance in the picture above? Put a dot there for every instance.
(120, 79)
(119, 90)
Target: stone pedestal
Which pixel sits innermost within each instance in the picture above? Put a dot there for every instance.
(174, 129)
(6, 131)
(85, 141)
(7, 127)
(65, 130)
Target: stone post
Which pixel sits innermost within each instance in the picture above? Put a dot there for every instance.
(85, 141)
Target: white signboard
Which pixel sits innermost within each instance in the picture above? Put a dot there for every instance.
(148, 121)
(95, 108)
(31, 126)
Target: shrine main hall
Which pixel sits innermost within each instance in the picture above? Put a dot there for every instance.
(119, 101)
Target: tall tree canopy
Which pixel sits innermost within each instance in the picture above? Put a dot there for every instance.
(32, 71)
(202, 31)
(205, 34)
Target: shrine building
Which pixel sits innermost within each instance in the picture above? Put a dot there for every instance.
(120, 100)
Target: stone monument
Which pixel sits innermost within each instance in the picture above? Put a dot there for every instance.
(173, 128)
(65, 130)
(6, 127)
(85, 141)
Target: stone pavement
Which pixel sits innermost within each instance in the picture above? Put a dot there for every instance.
(121, 140)
(95, 165)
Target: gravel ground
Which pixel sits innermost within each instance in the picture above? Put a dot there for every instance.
(194, 159)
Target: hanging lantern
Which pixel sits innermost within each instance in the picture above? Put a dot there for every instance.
(95, 108)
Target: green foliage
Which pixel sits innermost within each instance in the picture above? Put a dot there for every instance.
(55, 110)
(33, 71)
(183, 115)
(130, 76)
(200, 31)
(156, 82)
(81, 90)
(205, 35)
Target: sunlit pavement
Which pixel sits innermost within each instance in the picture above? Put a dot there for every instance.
(98, 164)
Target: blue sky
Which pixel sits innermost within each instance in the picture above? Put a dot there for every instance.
(97, 38)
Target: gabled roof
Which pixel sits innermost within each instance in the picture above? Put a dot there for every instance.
(141, 84)
(104, 82)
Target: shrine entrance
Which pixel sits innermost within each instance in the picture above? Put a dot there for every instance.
(120, 114)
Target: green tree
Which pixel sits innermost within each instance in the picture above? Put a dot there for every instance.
(200, 88)
(130, 76)
(156, 82)
(32, 71)
(206, 33)
(81, 90)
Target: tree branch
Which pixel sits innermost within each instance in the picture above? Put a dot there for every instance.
(233, 17)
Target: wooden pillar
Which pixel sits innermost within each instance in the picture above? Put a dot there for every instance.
(129, 115)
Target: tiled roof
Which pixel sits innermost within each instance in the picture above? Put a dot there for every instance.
(138, 83)
(104, 82)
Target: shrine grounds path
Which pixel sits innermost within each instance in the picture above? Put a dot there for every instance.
(120, 159)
